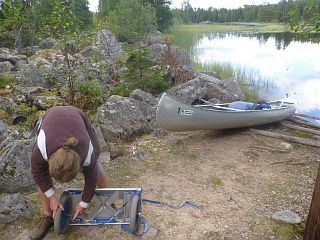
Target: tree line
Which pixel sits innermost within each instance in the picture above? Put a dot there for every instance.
(131, 20)
(306, 12)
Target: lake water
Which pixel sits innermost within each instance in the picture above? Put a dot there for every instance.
(285, 64)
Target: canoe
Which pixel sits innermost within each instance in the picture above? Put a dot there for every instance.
(174, 115)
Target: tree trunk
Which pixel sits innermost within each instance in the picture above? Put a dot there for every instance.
(312, 231)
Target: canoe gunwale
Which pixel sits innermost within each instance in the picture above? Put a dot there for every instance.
(230, 110)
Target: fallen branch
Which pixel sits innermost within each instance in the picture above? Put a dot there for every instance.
(306, 116)
(303, 129)
(287, 138)
(269, 149)
(302, 122)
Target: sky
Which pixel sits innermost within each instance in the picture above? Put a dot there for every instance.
(204, 3)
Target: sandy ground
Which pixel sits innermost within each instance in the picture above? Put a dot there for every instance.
(238, 185)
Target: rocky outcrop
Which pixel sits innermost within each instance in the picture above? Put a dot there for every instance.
(233, 87)
(105, 53)
(14, 206)
(41, 73)
(203, 86)
(121, 118)
(147, 103)
(15, 174)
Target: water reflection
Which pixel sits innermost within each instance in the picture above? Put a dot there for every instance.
(288, 63)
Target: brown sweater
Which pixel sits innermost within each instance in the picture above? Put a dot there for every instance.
(58, 124)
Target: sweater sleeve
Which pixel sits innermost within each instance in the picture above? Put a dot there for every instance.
(90, 180)
(40, 171)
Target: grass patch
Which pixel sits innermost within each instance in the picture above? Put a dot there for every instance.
(216, 180)
(285, 231)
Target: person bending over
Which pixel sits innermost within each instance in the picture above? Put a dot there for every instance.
(66, 144)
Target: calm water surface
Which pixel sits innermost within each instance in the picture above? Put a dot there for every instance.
(284, 66)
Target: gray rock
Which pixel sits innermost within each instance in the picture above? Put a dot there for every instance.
(41, 75)
(26, 90)
(47, 43)
(287, 217)
(14, 206)
(286, 146)
(110, 50)
(39, 61)
(203, 86)
(146, 102)
(3, 130)
(212, 74)
(121, 118)
(156, 38)
(233, 87)
(13, 59)
(5, 67)
(15, 174)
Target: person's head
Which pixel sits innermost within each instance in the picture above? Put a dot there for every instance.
(64, 163)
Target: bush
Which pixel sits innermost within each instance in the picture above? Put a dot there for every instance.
(88, 95)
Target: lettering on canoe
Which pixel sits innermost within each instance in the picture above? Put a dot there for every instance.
(185, 112)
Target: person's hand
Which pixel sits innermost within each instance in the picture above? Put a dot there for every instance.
(55, 204)
(78, 211)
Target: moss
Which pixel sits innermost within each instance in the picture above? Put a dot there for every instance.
(216, 180)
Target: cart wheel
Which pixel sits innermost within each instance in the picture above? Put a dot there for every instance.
(133, 226)
(62, 218)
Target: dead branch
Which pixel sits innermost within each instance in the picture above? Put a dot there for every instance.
(269, 149)
(302, 122)
(303, 129)
(306, 116)
(287, 138)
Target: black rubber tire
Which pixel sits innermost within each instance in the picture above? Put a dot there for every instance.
(62, 218)
(133, 226)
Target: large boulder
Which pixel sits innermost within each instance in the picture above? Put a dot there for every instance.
(41, 74)
(15, 172)
(121, 118)
(204, 86)
(233, 87)
(147, 103)
(14, 206)
(5, 67)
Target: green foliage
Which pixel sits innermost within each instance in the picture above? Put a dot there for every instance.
(307, 21)
(5, 80)
(161, 7)
(26, 22)
(144, 73)
(141, 73)
(88, 96)
(131, 21)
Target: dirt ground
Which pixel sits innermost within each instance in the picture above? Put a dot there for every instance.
(238, 185)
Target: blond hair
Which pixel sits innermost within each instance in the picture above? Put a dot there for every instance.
(64, 163)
